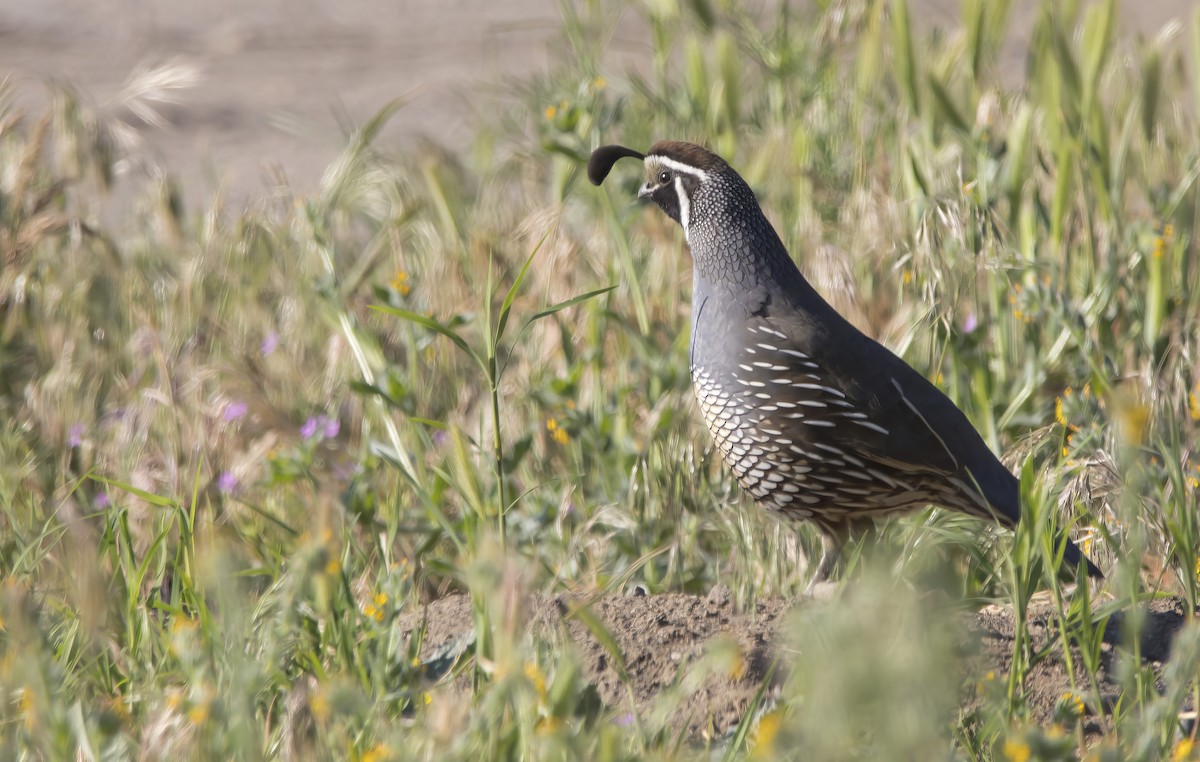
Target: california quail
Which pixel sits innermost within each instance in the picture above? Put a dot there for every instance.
(817, 421)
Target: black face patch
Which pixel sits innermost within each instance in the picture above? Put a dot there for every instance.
(667, 200)
(666, 193)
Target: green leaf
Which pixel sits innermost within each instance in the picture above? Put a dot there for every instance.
(433, 325)
(149, 497)
(506, 305)
(1097, 42)
(570, 302)
(1065, 170)
(946, 104)
(906, 62)
(1018, 169)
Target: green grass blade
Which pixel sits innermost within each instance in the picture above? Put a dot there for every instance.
(515, 288)
(149, 497)
(433, 325)
(907, 70)
(571, 302)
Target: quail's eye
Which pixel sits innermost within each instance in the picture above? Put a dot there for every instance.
(664, 177)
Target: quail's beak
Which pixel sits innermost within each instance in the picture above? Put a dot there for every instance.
(645, 192)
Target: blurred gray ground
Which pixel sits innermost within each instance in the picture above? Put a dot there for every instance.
(278, 75)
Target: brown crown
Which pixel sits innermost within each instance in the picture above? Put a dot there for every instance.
(689, 154)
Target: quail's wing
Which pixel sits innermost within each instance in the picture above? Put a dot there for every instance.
(856, 401)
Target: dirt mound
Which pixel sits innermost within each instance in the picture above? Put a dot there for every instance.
(655, 639)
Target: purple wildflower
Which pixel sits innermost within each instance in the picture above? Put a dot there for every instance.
(269, 343)
(226, 483)
(309, 429)
(321, 427)
(970, 323)
(75, 435)
(102, 500)
(234, 411)
(624, 720)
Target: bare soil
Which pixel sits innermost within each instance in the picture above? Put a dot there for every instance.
(659, 637)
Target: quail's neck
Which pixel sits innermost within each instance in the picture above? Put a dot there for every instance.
(744, 255)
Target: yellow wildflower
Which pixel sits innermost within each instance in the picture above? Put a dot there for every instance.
(737, 670)
(534, 674)
(1183, 750)
(318, 704)
(377, 753)
(551, 112)
(557, 433)
(764, 737)
(198, 714)
(400, 283)
(1194, 406)
(599, 83)
(1074, 702)
(28, 707)
(375, 609)
(1017, 751)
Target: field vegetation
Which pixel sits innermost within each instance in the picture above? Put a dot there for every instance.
(240, 448)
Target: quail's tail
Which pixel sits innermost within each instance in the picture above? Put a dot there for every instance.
(1073, 556)
(1003, 493)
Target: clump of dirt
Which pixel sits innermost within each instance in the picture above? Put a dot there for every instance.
(660, 636)
(1048, 678)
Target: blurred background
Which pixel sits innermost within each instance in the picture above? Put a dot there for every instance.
(276, 84)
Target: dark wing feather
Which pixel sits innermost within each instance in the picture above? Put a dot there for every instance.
(887, 413)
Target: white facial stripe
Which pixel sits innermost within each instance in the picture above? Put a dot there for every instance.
(699, 174)
(685, 207)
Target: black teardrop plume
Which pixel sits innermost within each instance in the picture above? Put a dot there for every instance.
(603, 159)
